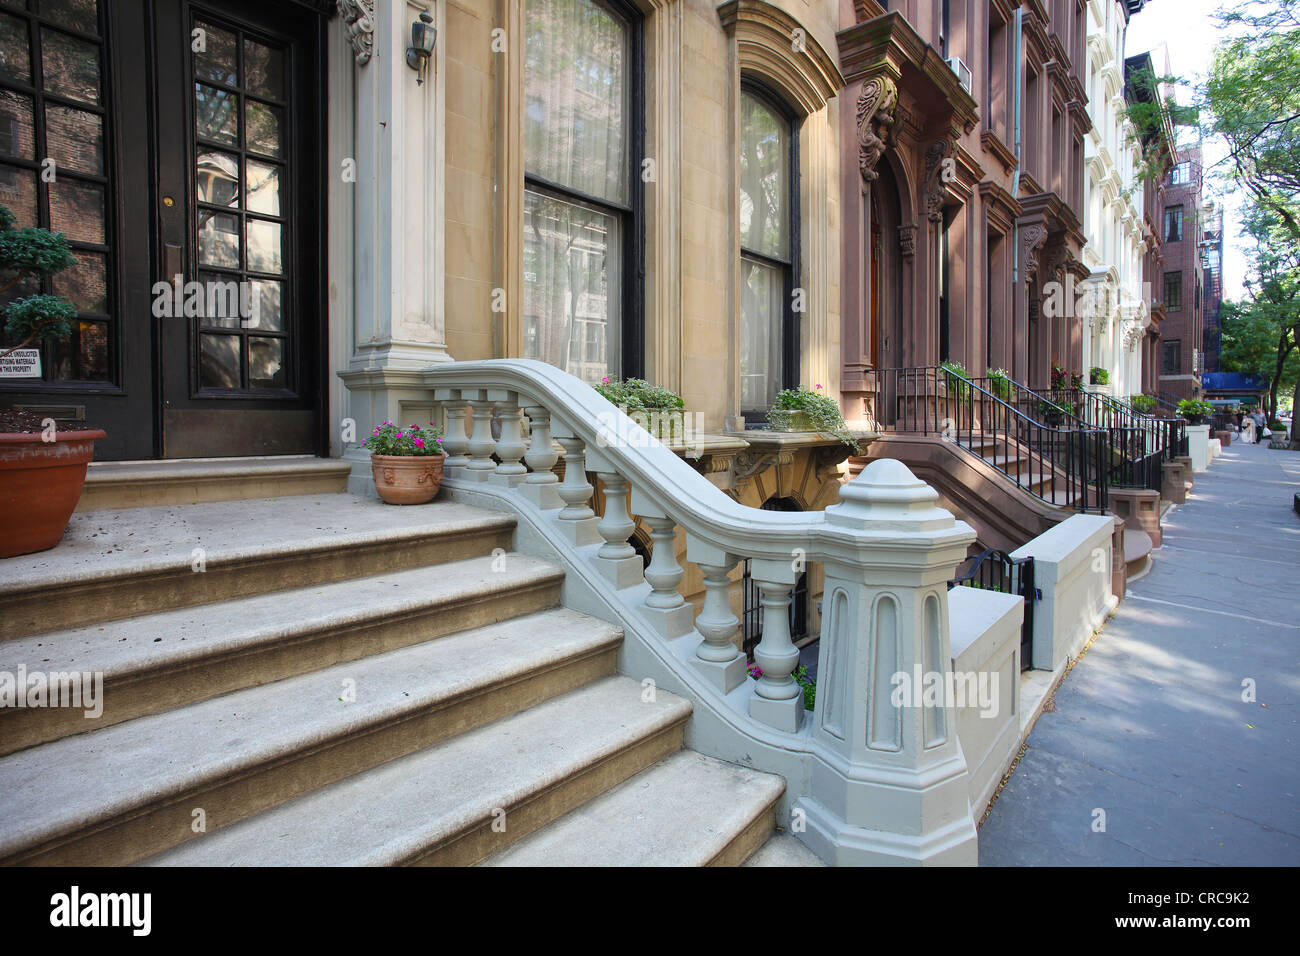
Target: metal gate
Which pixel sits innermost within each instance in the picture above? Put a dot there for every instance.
(994, 570)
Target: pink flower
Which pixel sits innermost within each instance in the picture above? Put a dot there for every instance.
(818, 386)
(419, 444)
(605, 380)
(400, 435)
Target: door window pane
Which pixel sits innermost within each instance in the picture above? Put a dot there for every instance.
(571, 282)
(81, 15)
(262, 130)
(18, 192)
(263, 187)
(764, 179)
(216, 178)
(15, 56)
(263, 70)
(74, 139)
(576, 75)
(762, 310)
(84, 284)
(216, 114)
(265, 363)
(218, 239)
(263, 246)
(218, 61)
(70, 67)
(219, 361)
(17, 133)
(77, 209)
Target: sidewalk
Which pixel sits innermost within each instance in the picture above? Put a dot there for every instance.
(1150, 726)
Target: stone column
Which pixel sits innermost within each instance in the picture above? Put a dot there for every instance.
(890, 777)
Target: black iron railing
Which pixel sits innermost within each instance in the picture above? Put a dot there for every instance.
(1066, 465)
(994, 570)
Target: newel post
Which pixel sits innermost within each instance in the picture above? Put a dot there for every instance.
(889, 782)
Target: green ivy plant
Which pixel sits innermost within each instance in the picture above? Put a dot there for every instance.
(636, 394)
(822, 410)
(1099, 375)
(1191, 409)
(31, 255)
(958, 379)
(1142, 403)
(1000, 380)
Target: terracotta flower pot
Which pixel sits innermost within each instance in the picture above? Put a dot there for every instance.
(40, 485)
(407, 479)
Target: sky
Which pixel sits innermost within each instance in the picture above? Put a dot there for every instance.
(1186, 29)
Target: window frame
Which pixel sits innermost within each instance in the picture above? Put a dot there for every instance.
(631, 300)
(790, 337)
(1178, 276)
(1170, 217)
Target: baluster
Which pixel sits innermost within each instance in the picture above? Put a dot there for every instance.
(718, 658)
(664, 605)
(481, 443)
(617, 559)
(541, 485)
(778, 700)
(577, 521)
(455, 439)
(510, 446)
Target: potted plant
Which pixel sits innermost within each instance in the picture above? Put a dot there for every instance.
(1196, 413)
(42, 467)
(957, 379)
(658, 410)
(1279, 439)
(406, 463)
(1060, 378)
(1143, 404)
(1099, 375)
(1000, 382)
(810, 410)
(1052, 413)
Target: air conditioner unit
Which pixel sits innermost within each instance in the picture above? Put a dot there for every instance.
(962, 70)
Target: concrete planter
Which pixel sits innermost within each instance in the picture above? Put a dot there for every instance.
(665, 424)
(790, 420)
(407, 479)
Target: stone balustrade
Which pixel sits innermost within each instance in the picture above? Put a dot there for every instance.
(872, 782)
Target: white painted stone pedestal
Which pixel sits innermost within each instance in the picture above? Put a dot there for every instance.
(1198, 446)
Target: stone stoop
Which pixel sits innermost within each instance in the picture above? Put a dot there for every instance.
(139, 484)
(343, 683)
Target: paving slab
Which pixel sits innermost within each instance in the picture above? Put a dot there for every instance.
(1151, 728)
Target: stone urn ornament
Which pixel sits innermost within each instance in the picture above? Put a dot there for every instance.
(406, 463)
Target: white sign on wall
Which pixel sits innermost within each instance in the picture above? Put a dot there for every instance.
(23, 363)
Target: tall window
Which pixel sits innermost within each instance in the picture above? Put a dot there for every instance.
(1174, 224)
(768, 249)
(1181, 174)
(580, 197)
(1171, 357)
(1173, 291)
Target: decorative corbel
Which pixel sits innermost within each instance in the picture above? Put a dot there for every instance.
(360, 18)
(876, 105)
(1031, 238)
(935, 156)
(907, 240)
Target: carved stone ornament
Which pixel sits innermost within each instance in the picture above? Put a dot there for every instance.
(876, 107)
(1031, 238)
(360, 18)
(935, 156)
(907, 240)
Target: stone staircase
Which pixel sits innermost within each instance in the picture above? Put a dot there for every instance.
(324, 680)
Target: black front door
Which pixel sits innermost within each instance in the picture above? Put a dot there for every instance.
(188, 145)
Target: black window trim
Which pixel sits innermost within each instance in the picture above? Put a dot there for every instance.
(632, 214)
(790, 337)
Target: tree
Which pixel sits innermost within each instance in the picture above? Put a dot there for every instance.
(1261, 335)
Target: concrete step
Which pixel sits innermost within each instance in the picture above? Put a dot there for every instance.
(1137, 553)
(117, 564)
(187, 481)
(439, 806)
(127, 791)
(783, 849)
(158, 661)
(688, 810)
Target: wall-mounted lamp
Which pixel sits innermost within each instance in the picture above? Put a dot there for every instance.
(424, 35)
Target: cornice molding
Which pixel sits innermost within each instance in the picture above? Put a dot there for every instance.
(360, 18)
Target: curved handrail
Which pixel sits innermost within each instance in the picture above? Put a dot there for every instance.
(657, 472)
